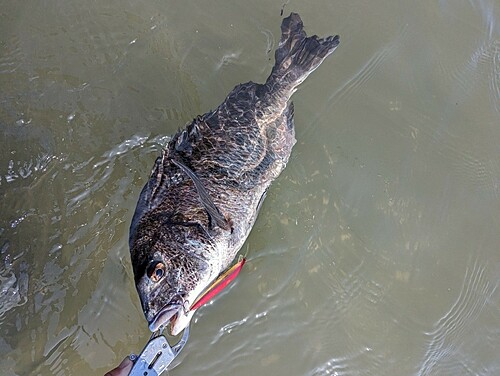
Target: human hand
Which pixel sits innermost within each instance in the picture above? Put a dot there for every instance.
(123, 368)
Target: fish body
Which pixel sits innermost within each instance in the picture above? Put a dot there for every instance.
(205, 190)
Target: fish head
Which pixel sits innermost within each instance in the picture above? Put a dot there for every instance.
(168, 283)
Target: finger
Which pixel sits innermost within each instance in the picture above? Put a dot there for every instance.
(123, 368)
(126, 364)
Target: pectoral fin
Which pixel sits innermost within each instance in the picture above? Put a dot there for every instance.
(205, 198)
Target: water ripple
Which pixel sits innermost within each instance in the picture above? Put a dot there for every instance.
(495, 75)
(13, 286)
(101, 171)
(482, 63)
(11, 56)
(24, 169)
(449, 330)
(368, 70)
(341, 366)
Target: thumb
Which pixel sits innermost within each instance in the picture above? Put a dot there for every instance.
(123, 368)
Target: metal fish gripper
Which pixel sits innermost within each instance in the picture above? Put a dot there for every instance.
(157, 355)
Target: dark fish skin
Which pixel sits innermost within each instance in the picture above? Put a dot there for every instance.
(204, 192)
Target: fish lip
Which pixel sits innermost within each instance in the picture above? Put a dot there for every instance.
(163, 317)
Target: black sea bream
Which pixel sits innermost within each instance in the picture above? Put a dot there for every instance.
(206, 188)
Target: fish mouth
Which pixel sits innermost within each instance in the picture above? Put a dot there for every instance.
(162, 318)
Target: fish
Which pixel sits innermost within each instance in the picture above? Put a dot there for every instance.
(207, 186)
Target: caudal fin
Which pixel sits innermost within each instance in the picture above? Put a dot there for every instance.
(298, 55)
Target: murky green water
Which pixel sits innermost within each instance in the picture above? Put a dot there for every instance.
(375, 253)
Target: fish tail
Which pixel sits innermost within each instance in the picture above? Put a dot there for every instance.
(298, 55)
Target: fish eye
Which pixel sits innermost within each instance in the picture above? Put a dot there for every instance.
(157, 271)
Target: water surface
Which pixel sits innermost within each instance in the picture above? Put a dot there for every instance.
(376, 251)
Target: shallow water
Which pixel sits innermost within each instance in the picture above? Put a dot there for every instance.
(376, 251)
